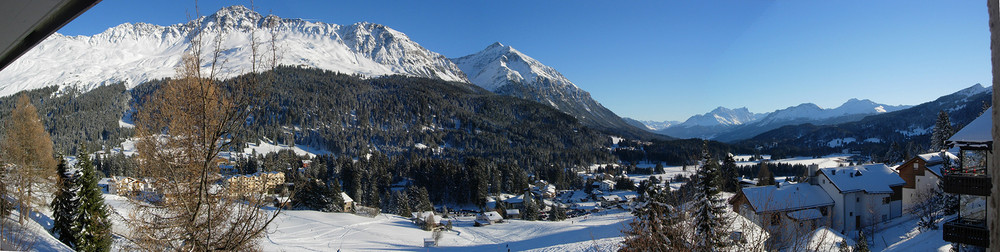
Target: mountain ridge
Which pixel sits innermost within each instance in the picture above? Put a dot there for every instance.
(507, 71)
(137, 52)
(725, 124)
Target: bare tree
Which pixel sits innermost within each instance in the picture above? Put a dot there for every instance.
(181, 130)
(27, 154)
(927, 205)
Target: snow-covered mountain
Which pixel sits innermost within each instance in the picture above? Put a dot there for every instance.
(505, 70)
(722, 116)
(871, 134)
(809, 111)
(735, 124)
(135, 53)
(649, 124)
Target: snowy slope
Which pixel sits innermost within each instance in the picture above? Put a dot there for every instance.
(505, 70)
(135, 53)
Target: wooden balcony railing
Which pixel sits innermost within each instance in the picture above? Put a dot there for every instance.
(965, 231)
(968, 184)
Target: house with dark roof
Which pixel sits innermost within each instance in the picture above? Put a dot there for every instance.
(922, 174)
(863, 195)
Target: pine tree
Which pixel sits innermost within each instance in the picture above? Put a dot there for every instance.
(96, 227)
(862, 243)
(557, 214)
(66, 205)
(709, 220)
(336, 198)
(942, 131)
(403, 205)
(894, 154)
(728, 180)
(656, 226)
(501, 209)
(764, 175)
(530, 208)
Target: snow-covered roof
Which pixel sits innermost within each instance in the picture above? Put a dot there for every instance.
(422, 215)
(516, 199)
(787, 197)
(491, 215)
(611, 198)
(346, 198)
(935, 157)
(871, 178)
(513, 212)
(550, 188)
(805, 214)
(935, 169)
(585, 205)
(976, 132)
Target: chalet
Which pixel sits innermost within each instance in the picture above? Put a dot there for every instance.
(487, 218)
(922, 174)
(784, 210)
(972, 182)
(516, 202)
(610, 200)
(544, 189)
(863, 195)
(513, 213)
(420, 218)
(348, 202)
(605, 185)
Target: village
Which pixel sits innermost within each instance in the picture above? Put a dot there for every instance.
(851, 202)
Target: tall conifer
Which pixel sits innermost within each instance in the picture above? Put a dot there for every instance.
(96, 227)
(66, 205)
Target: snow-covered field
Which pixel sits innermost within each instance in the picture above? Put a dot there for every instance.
(302, 230)
(299, 230)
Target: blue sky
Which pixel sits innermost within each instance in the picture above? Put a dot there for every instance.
(668, 60)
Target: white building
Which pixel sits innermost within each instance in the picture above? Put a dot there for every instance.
(863, 195)
(784, 210)
(487, 218)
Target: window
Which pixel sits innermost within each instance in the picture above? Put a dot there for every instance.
(885, 200)
(857, 199)
(775, 219)
(852, 213)
(916, 166)
(823, 210)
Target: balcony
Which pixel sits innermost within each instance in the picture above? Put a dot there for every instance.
(968, 184)
(966, 231)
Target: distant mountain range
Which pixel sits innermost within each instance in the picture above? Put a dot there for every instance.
(725, 124)
(140, 52)
(650, 125)
(908, 128)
